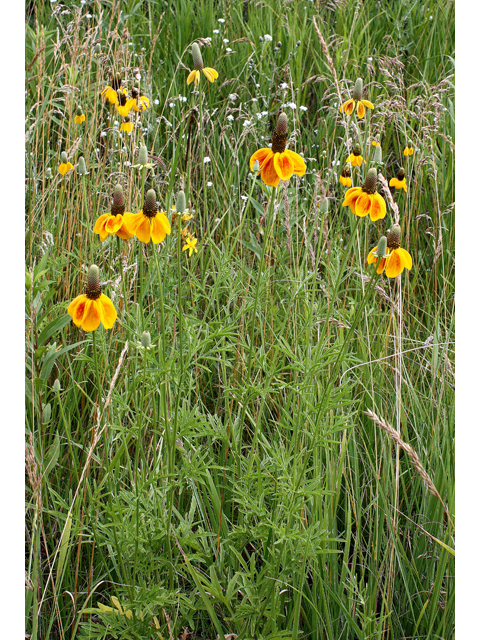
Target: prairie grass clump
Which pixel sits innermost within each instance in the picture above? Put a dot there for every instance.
(202, 451)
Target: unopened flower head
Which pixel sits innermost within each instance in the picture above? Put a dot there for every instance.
(378, 155)
(181, 203)
(82, 167)
(146, 340)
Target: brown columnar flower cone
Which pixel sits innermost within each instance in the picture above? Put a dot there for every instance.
(113, 223)
(149, 222)
(394, 258)
(365, 200)
(278, 163)
(92, 307)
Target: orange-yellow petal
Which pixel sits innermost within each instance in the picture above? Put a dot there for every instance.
(283, 165)
(92, 316)
(113, 223)
(363, 204)
(109, 313)
(269, 173)
(368, 104)
(405, 257)
(262, 155)
(143, 230)
(346, 181)
(160, 227)
(378, 209)
(351, 196)
(394, 265)
(371, 258)
(348, 107)
(123, 232)
(360, 109)
(100, 226)
(299, 166)
(76, 309)
(210, 74)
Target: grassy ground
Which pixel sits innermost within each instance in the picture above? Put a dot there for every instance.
(244, 475)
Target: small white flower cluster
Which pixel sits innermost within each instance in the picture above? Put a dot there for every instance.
(267, 37)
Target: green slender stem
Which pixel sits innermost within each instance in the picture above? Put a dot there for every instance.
(97, 373)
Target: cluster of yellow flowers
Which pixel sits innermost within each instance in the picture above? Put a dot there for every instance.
(272, 163)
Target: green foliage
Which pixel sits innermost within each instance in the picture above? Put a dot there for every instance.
(226, 479)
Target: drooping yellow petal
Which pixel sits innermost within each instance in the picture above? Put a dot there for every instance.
(193, 76)
(91, 317)
(143, 230)
(159, 230)
(100, 226)
(393, 182)
(368, 104)
(348, 107)
(394, 265)
(109, 311)
(405, 151)
(371, 258)
(346, 181)
(110, 94)
(76, 309)
(363, 205)
(262, 155)
(405, 257)
(360, 109)
(64, 168)
(126, 126)
(351, 196)
(123, 232)
(283, 165)
(378, 209)
(299, 166)
(79, 119)
(210, 74)
(113, 223)
(269, 173)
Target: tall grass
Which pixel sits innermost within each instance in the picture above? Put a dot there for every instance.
(228, 480)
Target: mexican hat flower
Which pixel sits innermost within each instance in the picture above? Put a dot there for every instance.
(127, 126)
(208, 72)
(149, 222)
(113, 223)
(79, 116)
(110, 91)
(348, 107)
(140, 103)
(408, 151)
(190, 244)
(389, 256)
(355, 159)
(278, 163)
(345, 178)
(123, 105)
(365, 200)
(64, 166)
(92, 307)
(399, 182)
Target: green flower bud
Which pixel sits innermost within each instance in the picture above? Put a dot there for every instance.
(64, 157)
(181, 204)
(79, 111)
(143, 155)
(378, 155)
(48, 173)
(256, 166)
(382, 248)
(82, 167)
(197, 57)
(56, 386)
(358, 89)
(146, 340)
(97, 49)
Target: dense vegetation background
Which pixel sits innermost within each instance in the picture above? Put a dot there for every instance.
(228, 480)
